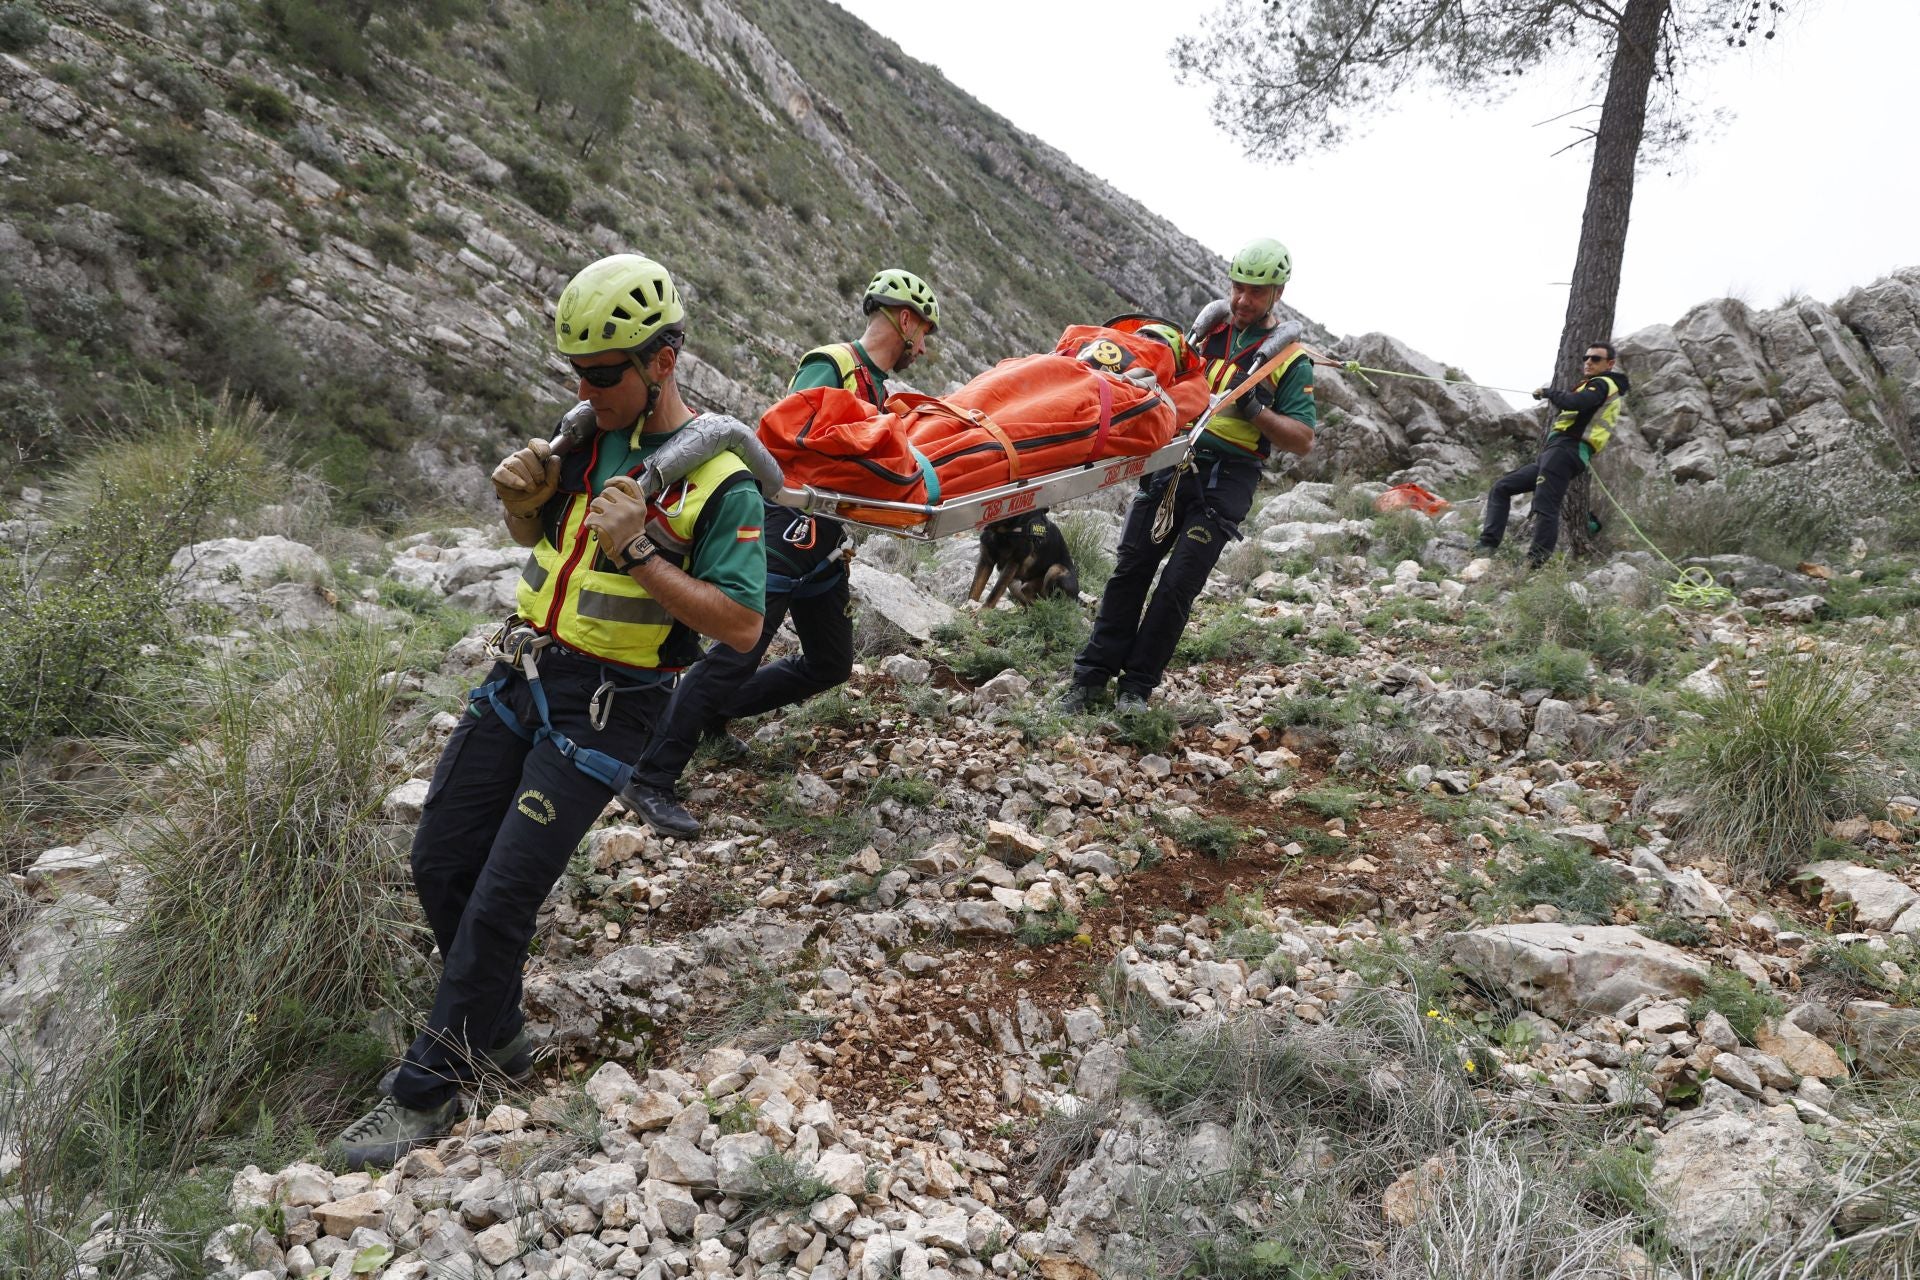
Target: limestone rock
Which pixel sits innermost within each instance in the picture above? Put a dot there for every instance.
(1563, 971)
(1877, 898)
(1726, 1176)
(1886, 1039)
(898, 601)
(1801, 1050)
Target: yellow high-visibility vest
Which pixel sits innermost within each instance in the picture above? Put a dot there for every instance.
(574, 594)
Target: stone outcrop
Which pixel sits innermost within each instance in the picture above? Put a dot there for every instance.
(1728, 387)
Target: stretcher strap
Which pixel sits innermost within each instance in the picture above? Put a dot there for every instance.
(1106, 416)
(929, 475)
(1002, 439)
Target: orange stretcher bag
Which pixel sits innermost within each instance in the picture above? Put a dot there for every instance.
(1411, 497)
(1024, 417)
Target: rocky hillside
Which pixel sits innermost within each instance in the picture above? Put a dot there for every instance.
(1381, 932)
(1832, 387)
(195, 197)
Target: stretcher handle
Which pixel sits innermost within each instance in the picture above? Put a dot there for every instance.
(1283, 340)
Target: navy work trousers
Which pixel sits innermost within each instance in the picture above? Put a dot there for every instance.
(501, 818)
(1133, 638)
(729, 685)
(1547, 477)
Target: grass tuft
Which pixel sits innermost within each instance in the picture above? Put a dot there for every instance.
(275, 933)
(1734, 997)
(1768, 768)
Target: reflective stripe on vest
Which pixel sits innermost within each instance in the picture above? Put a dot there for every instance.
(1600, 426)
(602, 612)
(1238, 431)
(854, 374)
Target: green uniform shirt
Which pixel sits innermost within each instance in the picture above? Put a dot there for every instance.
(1292, 396)
(820, 371)
(730, 552)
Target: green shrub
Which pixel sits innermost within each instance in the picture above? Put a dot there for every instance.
(1085, 538)
(1769, 768)
(1330, 801)
(1400, 535)
(545, 190)
(1584, 889)
(170, 149)
(780, 1182)
(185, 87)
(1563, 672)
(391, 243)
(22, 26)
(274, 932)
(261, 103)
(1774, 517)
(1043, 928)
(318, 35)
(1675, 931)
(84, 611)
(1734, 997)
(1146, 728)
(1235, 635)
(1216, 838)
(1863, 969)
(1546, 608)
(1336, 642)
(1035, 639)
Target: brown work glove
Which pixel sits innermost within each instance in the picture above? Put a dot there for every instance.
(527, 479)
(619, 517)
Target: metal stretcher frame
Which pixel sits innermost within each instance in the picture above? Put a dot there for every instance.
(977, 510)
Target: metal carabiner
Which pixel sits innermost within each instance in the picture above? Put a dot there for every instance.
(600, 706)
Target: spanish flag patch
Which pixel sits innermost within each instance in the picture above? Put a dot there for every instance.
(748, 535)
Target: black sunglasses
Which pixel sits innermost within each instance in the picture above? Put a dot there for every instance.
(1583, 360)
(603, 375)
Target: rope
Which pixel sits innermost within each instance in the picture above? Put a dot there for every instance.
(1691, 588)
(1361, 371)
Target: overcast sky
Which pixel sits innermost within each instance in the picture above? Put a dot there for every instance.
(1453, 226)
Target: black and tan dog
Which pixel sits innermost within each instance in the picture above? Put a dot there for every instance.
(1031, 556)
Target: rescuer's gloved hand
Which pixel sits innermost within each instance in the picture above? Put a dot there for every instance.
(527, 478)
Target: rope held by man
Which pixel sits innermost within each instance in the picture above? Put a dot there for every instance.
(1692, 587)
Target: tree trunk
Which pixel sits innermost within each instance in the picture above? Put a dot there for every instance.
(1603, 228)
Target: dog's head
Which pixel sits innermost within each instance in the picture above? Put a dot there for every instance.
(1007, 539)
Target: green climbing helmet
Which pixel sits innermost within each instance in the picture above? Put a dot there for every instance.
(1262, 262)
(895, 288)
(619, 303)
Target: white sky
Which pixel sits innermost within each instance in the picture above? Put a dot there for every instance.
(1451, 225)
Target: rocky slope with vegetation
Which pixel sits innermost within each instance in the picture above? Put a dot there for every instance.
(1436, 920)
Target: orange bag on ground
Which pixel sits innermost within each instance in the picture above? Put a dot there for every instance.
(1022, 418)
(1404, 497)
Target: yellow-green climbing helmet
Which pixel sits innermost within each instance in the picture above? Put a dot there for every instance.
(896, 288)
(1262, 262)
(616, 304)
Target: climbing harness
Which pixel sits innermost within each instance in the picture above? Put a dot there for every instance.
(518, 645)
(816, 581)
(1692, 587)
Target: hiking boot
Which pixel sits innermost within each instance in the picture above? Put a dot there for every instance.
(1130, 701)
(1080, 698)
(512, 1061)
(390, 1130)
(659, 810)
